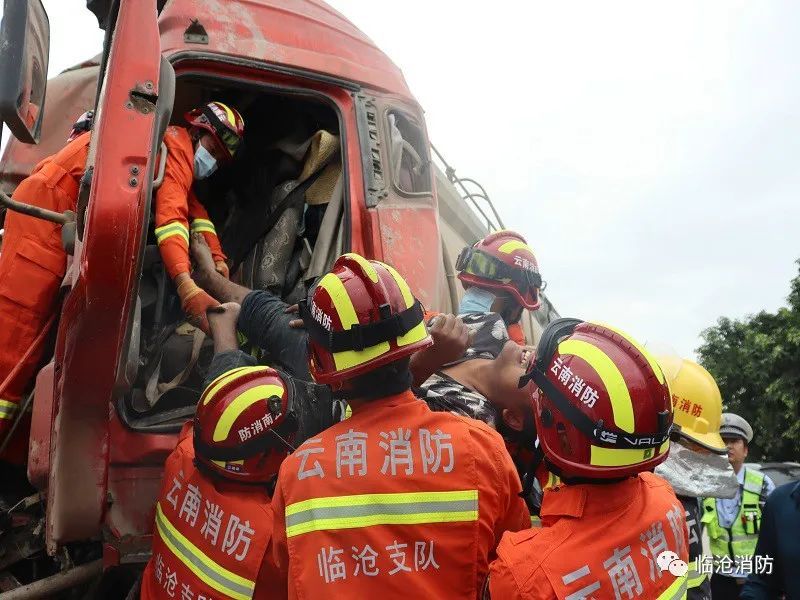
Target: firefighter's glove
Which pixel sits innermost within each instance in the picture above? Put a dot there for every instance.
(195, 303)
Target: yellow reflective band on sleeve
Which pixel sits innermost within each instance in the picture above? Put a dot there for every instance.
(227, 377)
(676, 591)
(203, 226)
(695, 578)
(171, 230)
(240, 404)
(366, 510)
(663, 447)
(347, 317)
(7, 409)
(215, 575)
(509, 247)
(552, 480)
(614, 382)
(615, 457)
(536, 522)
(649, 357)
(369, 270)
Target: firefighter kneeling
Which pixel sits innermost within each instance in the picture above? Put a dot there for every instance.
(213, 526)
(604, 416)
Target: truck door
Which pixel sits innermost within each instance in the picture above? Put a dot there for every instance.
(133, 109)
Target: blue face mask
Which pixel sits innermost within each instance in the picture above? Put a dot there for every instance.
(204, 163)
(476, 300)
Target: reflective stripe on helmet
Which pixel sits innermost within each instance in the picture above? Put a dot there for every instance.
(227, 377)
(419, 332)
(676, 591)
(365, 265)
(622, 457)
(348, 317)
(614, 382)
(229, 114)
(642, 350)
(7, 409)
(240, 404)
(509, 247)
(194, 559)
(171, 229)
(365, 510)
(203, 226)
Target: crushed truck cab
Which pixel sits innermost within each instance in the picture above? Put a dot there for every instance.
(321, 102)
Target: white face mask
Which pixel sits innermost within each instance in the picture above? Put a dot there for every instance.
(204, 163)
(476, 300)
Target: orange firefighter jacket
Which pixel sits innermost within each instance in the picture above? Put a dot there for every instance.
(596, 541)
(211, 539)
(178, 211)
(32, 266)
(397, 502)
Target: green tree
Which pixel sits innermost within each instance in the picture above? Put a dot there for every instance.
(756, 362)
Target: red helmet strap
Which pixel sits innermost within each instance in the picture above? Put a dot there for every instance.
(358, 337)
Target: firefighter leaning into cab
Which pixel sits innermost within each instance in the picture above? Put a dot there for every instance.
(397, 500)
(500, 274)
(604, 416)
(696, 465)
(33, 261)
(213, 518)
(733, 524)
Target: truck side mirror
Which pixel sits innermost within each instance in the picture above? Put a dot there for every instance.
(24, 54)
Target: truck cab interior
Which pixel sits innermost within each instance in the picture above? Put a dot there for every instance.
(278, 210)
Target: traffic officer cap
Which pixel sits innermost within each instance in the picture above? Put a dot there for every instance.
(735, 426)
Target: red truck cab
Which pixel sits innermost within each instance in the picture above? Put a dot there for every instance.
(292, 68)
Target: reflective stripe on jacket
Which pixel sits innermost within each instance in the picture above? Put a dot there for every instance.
(396, 501)
(597, 541)
(177, 210)
(740, 538)
(210, 538)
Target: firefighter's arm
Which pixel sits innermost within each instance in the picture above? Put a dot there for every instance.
(172, 211)
(280, 546)
(451, 338)
(200, 223)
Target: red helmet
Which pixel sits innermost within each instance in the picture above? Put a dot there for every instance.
(502, 261)
(223, 122)
(82, 125)
(244, 424)
(602, 405)
(361, 316)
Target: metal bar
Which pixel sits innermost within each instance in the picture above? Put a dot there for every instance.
(45, 588)
(455, 180)
(35, 211)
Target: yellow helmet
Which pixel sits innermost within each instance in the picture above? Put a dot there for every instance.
(697, 405)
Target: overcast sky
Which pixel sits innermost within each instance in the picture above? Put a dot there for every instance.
(647, 150)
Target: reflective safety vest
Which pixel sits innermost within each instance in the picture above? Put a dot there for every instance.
(397, 502)
(740, 538)
(209, 541)
(597, 541)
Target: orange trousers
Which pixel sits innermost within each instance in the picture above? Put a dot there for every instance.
(32, 266)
